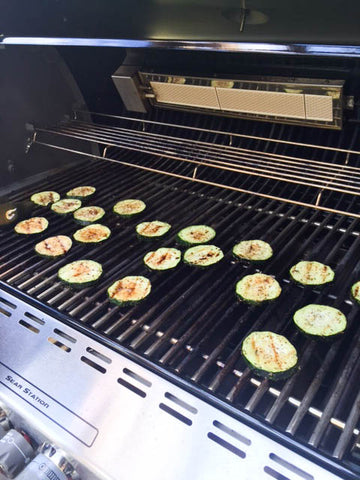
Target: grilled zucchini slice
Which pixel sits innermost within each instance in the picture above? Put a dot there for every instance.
(94, 233)
(355, 291)
(67, 205)
(203, 255)
(270, 355)
(54, 246)
(258, 288)
(31, 226)
(320, 321)
(129, 290)
(87, 215)
(81, 192)
(44, 198)
(311, 273)
(163, 258)
(129, 207)
(81, 273)
(196, 234)
(254, 250)
(152, 229)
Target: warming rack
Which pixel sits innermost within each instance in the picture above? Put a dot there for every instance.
(224, 152)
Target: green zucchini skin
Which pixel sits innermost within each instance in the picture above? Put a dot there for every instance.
(129, 207)
(57, 206)
(256, 251)
(81, 193)
(270, 355)
(311, 273)
(256, 283)
(320, 322)
(161, 252)
(355, 292)
(124, 284)
(187, 236)
(84, 210)
(208, 255)
(152, 235)
(73, 279)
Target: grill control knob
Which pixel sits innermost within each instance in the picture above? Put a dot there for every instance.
(15, 453)
(49, 463)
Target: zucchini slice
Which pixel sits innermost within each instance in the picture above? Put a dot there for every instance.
(311, 273)
(258, 288)
(129, 290)
(255, 250)
(320, 321)
(196, 234)
(81, 273)
(162, 258)
(203, 255)
(54, 246)
(67, 205)
(94, 233)
(44, 198)
(31, 226)
(81, 192)
(129, 207)
(87, 215)
(355, 291)
(269, 354)
(152, 229)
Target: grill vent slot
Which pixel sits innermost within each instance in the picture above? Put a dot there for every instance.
(275, 474)
(175, 414)
(64, 335)
(92, 364)
(181, 403)
(5, 307)
(59, 344)
(231, 432)
(29, 326)
(137, 377)
(289, 466)
(132, 387)
(99, 355)
(40, 321)
(227, 445)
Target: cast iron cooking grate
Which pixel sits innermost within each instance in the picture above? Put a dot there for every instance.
(192, 324)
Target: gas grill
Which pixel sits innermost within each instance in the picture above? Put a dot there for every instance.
(160, 389)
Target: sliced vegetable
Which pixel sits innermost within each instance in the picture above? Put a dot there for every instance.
(320, 321)
(203, 255)
(312, 273)
(355, 291)
(255, 250)
(269, 354)
(162, 258)
(258, 288)
(129, 207)
(152, 229)
(196, 234)
(129, 290)
(87, 215)
(94, 233)
(81, 273)
(54, 246)
(81, 192)
(44, 198)
(67, 205)
(31, 226)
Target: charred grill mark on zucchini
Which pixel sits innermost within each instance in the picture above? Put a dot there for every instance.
(31, 226)
(255, 250)
(44, 198)
(203, 255)
(355, 291)
(196, 234)
(312, 273)
(54, 246)
(152, 229)
(93, 233)
(87, 215)
(129, 207)
(320, 321)
(81, 273)
(81, 192)
(67, 205)
(162, 258)
(129, 290)
(269, 354)
(258, 288)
